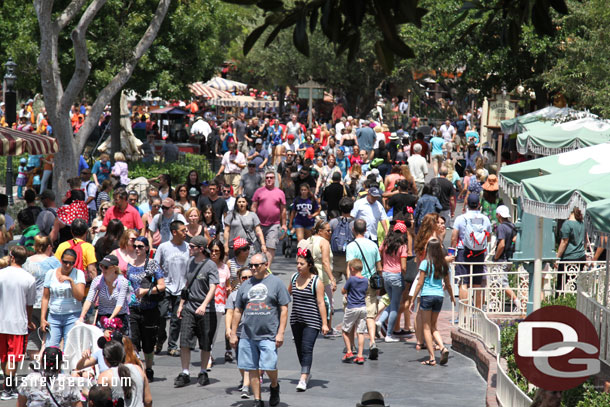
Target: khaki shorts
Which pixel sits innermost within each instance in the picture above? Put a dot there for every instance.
(339, 267)
(272, 236)
(371, 303)
(354, 317)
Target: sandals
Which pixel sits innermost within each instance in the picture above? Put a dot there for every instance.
(430, 362)
(420, 346)
(444, 356)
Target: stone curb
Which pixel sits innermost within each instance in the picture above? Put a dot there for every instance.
(472, 347)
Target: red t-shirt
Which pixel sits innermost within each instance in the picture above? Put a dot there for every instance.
(130, 218)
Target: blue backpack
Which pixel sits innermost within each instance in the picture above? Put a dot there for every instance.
(341, 236)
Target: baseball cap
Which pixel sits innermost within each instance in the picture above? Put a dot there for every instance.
(205, 183)
(168, 202)
(290, 137)
(503, 211)
(199, 241)
(473, 201)
(239, 242)
(251, 164)
(374, 191)
(110, 260)
(258, 141)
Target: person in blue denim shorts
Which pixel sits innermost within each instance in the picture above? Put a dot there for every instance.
(262, 307)
(433, 272)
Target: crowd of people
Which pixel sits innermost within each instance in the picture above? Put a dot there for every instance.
(353, 200)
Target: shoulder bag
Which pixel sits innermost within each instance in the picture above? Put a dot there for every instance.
(375, 281)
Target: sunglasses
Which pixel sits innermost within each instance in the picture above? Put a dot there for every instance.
(245, 278)
(215, 251)
(139, 246)
(255, 265)
(68, 263)
(165, 208)
(155, 206)
(269, 177)
(132, 239)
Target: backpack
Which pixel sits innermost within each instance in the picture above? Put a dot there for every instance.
(341, 236)
(475, 235)
(77, 247)
(313, 291)
(509, 246)
(97, 193)
(158, 222)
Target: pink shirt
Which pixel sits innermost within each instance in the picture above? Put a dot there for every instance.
(391, 263)
(130, 218)
(269, 201)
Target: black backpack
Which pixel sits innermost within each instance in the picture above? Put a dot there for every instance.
(509, 247)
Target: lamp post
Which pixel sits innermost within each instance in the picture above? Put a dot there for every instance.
(10, 112)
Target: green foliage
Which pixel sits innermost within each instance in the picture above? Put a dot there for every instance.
(568, 300)
(592, 398)
(507, 340)
(178, 170)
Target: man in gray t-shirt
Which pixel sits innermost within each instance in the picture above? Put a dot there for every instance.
(172, 257)
(250, 182)
(162, 220)
(196, 310)
(262, 307)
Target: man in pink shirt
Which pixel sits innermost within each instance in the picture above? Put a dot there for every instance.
(121, 210)
(269, 204)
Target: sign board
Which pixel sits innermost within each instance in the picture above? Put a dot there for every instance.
(317, 93)
(500, 108)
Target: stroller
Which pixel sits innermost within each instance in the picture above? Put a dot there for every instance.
(289, 244)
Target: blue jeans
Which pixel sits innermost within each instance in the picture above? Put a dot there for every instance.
(394, 285)
(46, 175)
(59, 326)
(304, 340)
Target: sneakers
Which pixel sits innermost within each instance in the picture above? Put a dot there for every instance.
(245, 392)
(174, 352)
(203, 379)
(228, 356)
(378, 333)
(401, 333)
(150, 374)
(347, 358)
(258, 403)
(391, 339)
(158, 349)
(373, 352)
(9, 394)
(359, 360)
(182, 380)
(274, 399)
(302, 386)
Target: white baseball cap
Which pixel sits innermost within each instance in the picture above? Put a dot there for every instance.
(503, 211)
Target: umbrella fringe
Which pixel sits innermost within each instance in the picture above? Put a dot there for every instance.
(592, 231)
(511, 189)
(551, 210)
(533, 148)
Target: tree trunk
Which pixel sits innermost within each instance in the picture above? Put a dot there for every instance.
(115, 106)
(66, 156)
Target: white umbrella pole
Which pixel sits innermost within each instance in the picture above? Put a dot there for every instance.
(607, 271)
(538, 264)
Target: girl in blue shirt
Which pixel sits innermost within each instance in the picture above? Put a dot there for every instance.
(305, 208)
(433, 272)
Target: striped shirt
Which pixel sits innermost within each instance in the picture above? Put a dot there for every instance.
(106, 301)
(305, 306)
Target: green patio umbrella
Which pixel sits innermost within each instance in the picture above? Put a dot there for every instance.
(518, 124)
(547, 138)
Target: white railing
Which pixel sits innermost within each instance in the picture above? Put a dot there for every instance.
(474, 321)
(589, 301)
(500, 288)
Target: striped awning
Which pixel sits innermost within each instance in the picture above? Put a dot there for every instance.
(17, 142)
(201, 89)
(226, 84)
(245, 101)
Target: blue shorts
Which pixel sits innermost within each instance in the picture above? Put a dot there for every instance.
(299, 226)
(432, 303)
(255, 355)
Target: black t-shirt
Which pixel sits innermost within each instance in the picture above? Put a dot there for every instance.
(393, 149)
(504, 231)
(399, 201)
(443, 190)
(332, 194)
(202, 276)
(307, 180)
(219, 205)
(379, 153)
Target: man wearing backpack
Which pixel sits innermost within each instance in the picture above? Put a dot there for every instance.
(85, 252)
(341, 235)
(470, 235)
(505, 247)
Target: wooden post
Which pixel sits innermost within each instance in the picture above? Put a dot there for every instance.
(499, 150)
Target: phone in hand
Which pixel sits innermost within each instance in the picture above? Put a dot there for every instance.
(451, 251)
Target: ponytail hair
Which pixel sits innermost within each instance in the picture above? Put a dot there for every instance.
(577, 214)
(114, 354)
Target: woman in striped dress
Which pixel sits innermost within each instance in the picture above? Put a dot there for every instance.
(308, 315)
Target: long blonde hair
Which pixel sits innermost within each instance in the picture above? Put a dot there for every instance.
(5, 234)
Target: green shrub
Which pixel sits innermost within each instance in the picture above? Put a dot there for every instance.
(567, 300)
(178, 170)
(592, 398)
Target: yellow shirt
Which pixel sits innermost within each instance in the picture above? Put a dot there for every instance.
(88, 252)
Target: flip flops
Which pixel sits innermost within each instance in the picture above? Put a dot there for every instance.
(444, 356)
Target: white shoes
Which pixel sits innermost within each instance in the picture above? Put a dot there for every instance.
(391, 339)
(302, 386)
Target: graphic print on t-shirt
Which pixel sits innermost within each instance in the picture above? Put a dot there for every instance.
(304, 208)
(256, 304)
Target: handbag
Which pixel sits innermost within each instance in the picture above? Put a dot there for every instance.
(185, 294)
(253, 241)
(375, 280)
(151, 282)
(412, 270)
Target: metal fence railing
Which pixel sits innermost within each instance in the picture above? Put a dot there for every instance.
(589, 301)
(476, 322)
